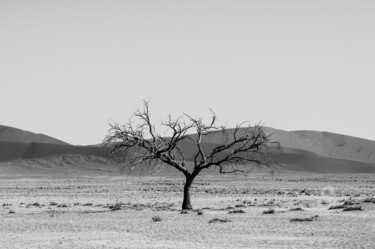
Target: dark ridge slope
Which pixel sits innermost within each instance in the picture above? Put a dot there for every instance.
(10, 134)
(40, 150)
(320, 164)
(12, 150)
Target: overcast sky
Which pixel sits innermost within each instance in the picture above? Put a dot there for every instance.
(68, 67)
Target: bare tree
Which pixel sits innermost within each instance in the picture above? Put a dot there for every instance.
(239, 150)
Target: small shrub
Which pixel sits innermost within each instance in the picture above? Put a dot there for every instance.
(325, 202)
(36, 204)
(356, 208)
(62, 206)
(269, 211)
(12, 212)
(296, 209)
(309, 219)
(337, 207)
(236, 211)
(184, 211)
(115, 207)
(200, 212)
(369, 200)
(219, 220)
(156, 219)
(350, 202)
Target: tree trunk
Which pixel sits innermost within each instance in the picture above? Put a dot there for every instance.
(186, 204)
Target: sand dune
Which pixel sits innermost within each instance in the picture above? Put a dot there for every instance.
(305, 161)
(320, 143)
(12, 150)
(301, 151)
(325, 144)
(15, 150)
(311, 151)
(16, 144)
(338, 146)
(298, 160)
(10, 134)
(67, 165)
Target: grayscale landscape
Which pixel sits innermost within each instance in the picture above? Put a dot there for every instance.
(74, 197)
(187, 124)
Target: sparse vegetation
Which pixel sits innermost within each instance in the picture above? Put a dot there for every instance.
(296, 209)
(369, 200)
(337, 207)
(62, 206)
(269, 211)
(237, 211)
(309, 219)
(217, 220)
(115, 207)
(325, 202)
(156, 219)
(35, 204)
(138, 208)
(356, 208)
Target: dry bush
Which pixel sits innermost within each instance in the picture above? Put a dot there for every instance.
(337, 207)
(36, 204)
(325, 202)
(356, 208)
(312, 218)
(296, 209)
(115, 207)
(156, 219)
(219, 220)
(369, 200)
(236, 211)
(269, 211)
(62, 206)
(350, 202)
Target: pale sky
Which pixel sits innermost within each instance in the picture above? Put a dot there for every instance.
(69, 67)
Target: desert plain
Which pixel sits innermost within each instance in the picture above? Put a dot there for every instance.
(294, 210)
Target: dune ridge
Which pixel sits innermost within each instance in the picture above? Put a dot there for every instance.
(11, 134)
(310, 151)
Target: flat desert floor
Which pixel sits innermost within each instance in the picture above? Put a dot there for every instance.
(288, 211)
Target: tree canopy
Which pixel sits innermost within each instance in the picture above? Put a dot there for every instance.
(238, 151)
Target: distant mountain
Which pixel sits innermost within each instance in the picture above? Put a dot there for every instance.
(324, 144)
(10, 134)
(310, 151)
(327, 144)
(19, 144)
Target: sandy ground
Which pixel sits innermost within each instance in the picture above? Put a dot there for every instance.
(80, 212)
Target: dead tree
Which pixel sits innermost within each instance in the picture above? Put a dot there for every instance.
(239, 150)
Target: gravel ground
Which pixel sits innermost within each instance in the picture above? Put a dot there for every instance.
(117, 212)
